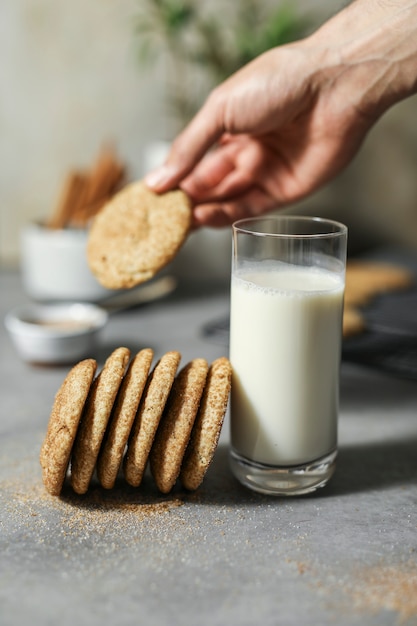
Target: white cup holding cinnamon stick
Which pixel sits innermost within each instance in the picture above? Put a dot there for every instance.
(54, 265)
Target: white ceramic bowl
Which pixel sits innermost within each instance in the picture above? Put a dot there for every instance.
(56, 333)
(54, 265)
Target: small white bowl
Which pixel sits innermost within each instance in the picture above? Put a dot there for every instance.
(56, 333)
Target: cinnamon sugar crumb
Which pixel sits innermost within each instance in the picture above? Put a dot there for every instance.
(389, 587)
(100, 511)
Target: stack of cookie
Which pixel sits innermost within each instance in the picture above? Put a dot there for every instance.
(366, 280)
(132, 415)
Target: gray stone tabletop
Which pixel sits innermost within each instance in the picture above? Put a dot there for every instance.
(346, 555)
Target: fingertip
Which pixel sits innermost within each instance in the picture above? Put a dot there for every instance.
(199, 217)
(210, 215)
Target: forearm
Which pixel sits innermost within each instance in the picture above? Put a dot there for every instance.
(373, 44)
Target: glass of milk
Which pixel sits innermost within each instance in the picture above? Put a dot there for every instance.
(287, 286)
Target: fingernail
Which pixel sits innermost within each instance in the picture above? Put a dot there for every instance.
(159, 177)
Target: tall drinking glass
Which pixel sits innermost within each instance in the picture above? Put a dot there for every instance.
(288, 277)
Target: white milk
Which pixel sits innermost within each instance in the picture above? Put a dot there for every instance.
(286, 328)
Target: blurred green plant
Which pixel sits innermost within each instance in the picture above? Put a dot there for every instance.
(203, 42)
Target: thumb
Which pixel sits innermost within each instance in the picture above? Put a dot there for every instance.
(188, 148)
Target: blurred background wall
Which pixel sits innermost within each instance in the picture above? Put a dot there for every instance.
(70, 80)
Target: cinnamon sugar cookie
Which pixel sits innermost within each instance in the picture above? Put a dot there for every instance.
(207, 427)
(353, 322)
(63, 423)
(136, 234)
(96, 416)
(175, 428)
(149, 415)
(123, 415)
(365, 280)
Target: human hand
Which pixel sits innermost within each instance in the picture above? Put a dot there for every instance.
(283, 125)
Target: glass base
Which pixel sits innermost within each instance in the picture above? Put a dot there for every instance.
(283, 481)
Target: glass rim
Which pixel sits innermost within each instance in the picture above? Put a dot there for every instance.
(339, 229)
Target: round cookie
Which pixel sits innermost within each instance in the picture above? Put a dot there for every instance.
(206, 430)
(63, 423)
(136, 234)
(176, 425)
(123, 415)
(149, 415)
(95, 419)
(365, 280)
(353, 322)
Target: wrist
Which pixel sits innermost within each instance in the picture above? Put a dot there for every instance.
(372, 47)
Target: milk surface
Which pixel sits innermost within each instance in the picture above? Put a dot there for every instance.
(286, 329)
